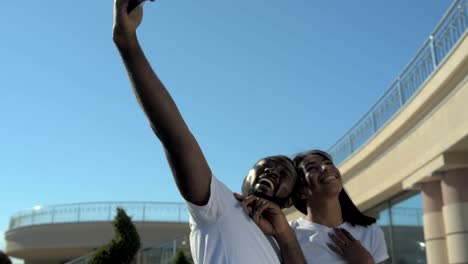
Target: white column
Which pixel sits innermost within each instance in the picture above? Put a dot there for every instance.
(455, 211)
(434, 231)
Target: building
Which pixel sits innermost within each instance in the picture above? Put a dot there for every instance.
(61, 233)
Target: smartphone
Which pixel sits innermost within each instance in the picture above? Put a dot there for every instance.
(134, 3)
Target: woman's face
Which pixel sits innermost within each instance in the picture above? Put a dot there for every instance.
(321, 177)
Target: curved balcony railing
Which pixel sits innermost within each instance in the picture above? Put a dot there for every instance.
(450, 30)
(100, 212)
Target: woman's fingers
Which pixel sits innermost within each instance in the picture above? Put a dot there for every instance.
(340, 243)
(347, 234)
(339, 233)
(335, 249)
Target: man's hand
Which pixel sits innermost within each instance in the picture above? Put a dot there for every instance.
(267, 215)
(125, 23)
(349, 248)
(272, 221)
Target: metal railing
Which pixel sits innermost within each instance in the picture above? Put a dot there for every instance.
(450, 30)
(100, 212)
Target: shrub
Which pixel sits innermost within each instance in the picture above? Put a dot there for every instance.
(180, 258)
(123, 248)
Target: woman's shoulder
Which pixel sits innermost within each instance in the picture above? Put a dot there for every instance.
(370, 230)
(376, 231)
(374, 228)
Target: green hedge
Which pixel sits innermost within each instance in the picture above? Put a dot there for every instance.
(181, 258)
(123, 248)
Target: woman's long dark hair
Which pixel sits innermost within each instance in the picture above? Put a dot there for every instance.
(351, 213)
(349, 210)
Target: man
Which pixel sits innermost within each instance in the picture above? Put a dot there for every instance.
(222, 231)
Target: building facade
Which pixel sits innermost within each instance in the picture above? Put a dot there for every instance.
(58, 234)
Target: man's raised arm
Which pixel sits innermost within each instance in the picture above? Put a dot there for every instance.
(189, 166)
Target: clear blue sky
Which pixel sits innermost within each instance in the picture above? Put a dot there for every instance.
(252, 78)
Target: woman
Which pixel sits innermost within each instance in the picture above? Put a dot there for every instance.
(333, 229)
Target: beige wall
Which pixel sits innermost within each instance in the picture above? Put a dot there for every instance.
(55, 243)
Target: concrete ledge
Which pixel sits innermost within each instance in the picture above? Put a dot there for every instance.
(57, 243)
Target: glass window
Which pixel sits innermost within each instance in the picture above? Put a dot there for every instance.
(407, 230)
(401, 220)
(382, 214)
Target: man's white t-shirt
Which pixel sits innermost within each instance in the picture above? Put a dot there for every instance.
(223, 232)
(313, 239)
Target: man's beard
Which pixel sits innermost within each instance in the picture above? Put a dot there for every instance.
(281, 202)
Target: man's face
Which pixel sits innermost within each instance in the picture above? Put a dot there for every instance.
(271, 178)
(321, 177)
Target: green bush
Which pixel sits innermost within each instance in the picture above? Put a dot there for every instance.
(123, 248)
(180, 258)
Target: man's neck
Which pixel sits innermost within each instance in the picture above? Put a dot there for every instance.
(325, 212)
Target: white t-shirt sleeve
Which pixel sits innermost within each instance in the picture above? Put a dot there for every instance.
(379, 247)
(220, 197)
